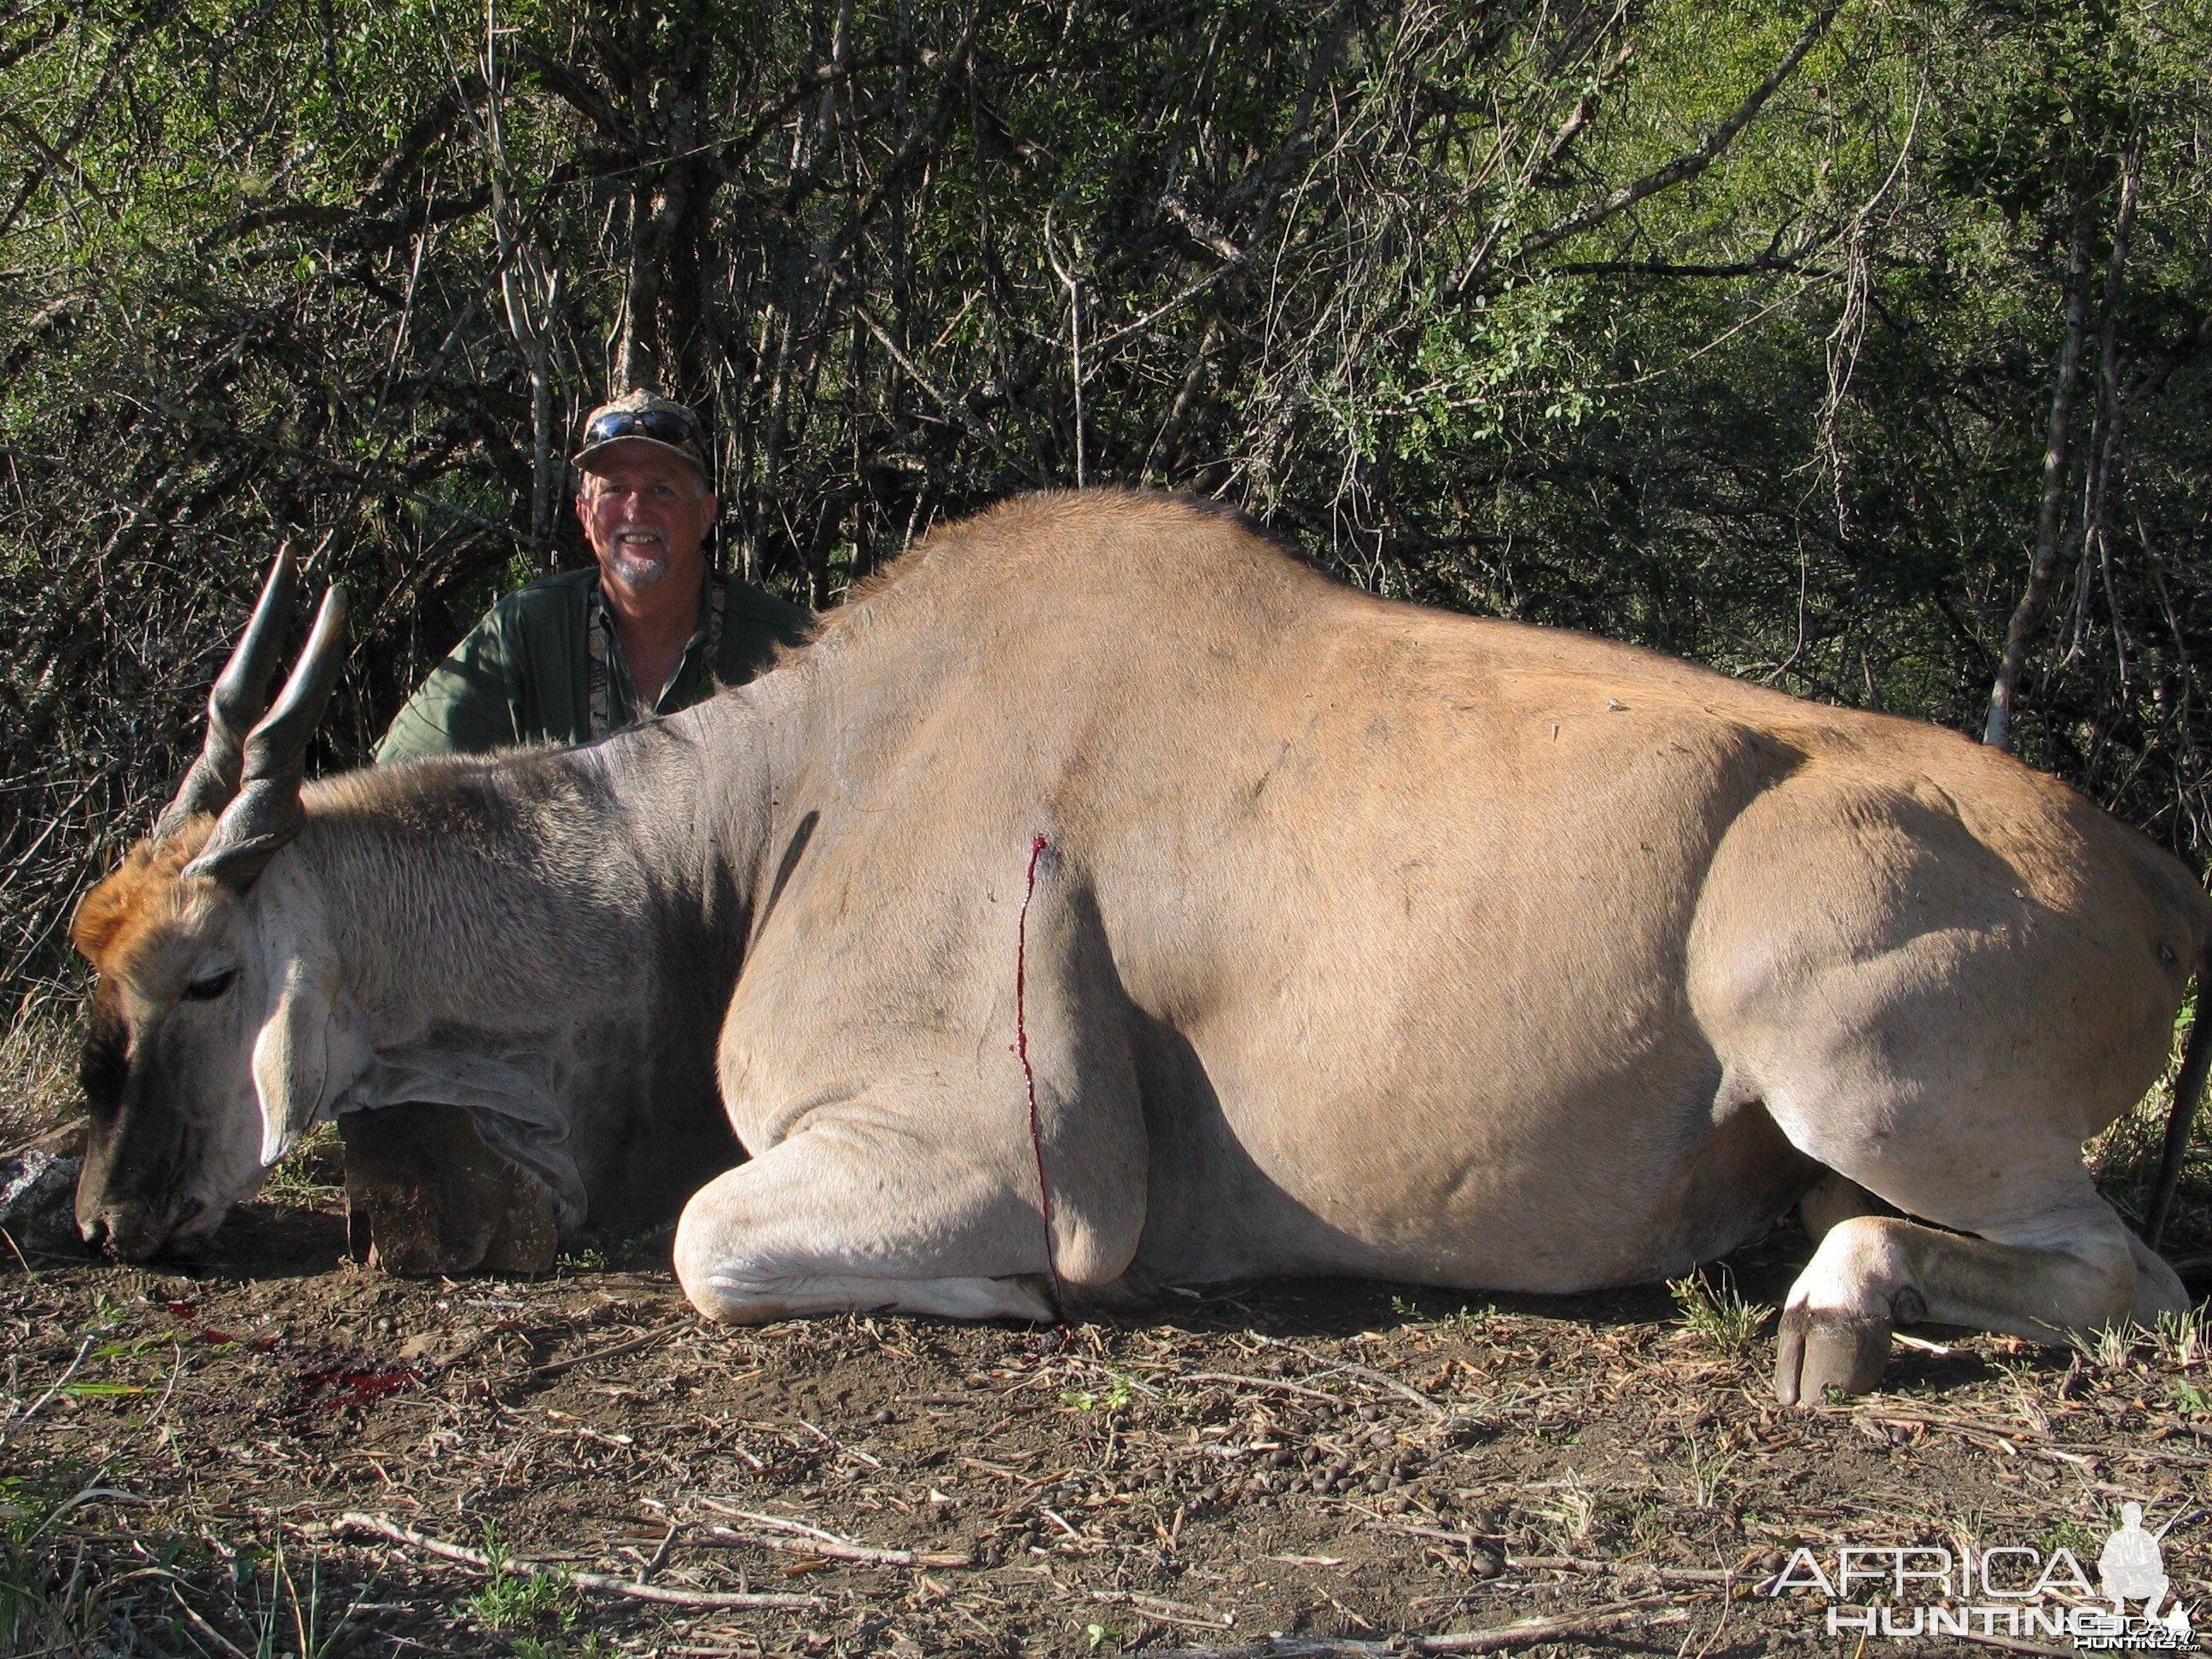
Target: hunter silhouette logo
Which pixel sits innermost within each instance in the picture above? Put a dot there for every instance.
(1900, 1592)
(2132, 1568)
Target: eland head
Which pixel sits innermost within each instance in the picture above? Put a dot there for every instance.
(202, 1043)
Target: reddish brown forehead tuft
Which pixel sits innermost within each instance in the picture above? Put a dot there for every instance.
(118, 915)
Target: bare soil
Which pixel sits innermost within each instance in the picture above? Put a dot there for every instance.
(1328, 1459)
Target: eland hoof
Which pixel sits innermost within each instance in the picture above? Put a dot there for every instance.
(425, 1196)
(1819, 1349)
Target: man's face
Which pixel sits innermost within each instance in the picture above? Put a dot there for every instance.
(645, 512)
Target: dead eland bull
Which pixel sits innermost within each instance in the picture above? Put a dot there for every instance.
(1328, 936)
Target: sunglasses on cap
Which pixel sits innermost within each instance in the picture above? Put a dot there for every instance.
(666, 426)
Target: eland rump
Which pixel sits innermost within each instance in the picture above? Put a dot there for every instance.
(1105, 892)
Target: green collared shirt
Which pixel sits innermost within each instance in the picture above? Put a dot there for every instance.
(526, 672)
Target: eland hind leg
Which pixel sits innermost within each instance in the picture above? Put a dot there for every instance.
(2072, 1270)
(1940, 1026)
(1976, 1146)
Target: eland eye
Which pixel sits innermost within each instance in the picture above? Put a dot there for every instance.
(208, 987)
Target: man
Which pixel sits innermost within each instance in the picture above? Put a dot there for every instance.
(648, 630)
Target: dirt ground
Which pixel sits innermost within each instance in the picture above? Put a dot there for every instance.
(1318, 1460)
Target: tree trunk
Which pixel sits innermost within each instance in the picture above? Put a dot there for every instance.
(2112, 409)
(2050, 518)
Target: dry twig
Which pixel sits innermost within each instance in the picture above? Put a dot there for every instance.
(1500, 1640)
(1365, 1373)
(354, 1521)
(556, 1368)
(818, 1542)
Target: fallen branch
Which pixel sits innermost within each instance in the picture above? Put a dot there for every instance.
(555, 1368)
(812, 1541)
(353, 1521)
(1237, 1380)
(1500, 1640)
(1168, 1612)
(1365, 1373)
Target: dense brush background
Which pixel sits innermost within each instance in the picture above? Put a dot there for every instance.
(1731, 327)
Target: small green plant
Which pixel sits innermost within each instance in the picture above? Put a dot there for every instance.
(2191, 1398)
(1708, 1469)
(2181, 1339)
(1718, 1314)
(2071, 1534)
(530, 1647)
(1099, 1635)
(61, 1595)
(2109, 1347)
(313, 1172)
(282, 1619)
(514, 1602)
(1571, 1509)
(1115, 1397)
(1461, 1319)
(612, 1252)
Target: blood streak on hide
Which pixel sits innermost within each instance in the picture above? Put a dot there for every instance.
(1029, 1076)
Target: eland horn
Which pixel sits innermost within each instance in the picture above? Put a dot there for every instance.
(265, 813)
(240, 694)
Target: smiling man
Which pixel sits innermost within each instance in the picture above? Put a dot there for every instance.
(432, 1184)
(648, 630)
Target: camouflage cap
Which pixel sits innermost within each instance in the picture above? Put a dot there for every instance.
(646, 417)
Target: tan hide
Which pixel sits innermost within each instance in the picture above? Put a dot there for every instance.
(1362, 938)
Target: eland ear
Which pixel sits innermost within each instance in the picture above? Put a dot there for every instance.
(302, 1058)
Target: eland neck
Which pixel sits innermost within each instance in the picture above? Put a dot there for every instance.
(503, 901)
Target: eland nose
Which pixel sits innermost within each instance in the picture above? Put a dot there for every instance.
(121, 1231)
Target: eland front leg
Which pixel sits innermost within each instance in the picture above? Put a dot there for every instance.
(842, 1218)
(908, 1199)
(918, 1176)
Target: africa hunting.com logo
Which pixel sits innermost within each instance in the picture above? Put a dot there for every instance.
(2007, 1589)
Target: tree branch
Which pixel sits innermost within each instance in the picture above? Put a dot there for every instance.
(1588, 217)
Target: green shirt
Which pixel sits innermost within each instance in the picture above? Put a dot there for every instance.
(525, 673)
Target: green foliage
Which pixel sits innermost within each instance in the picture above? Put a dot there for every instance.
(1718, 1314)
(63, 1592)
(511, 1602)
(542, 1601)
(1114, 1397)
(1462, 1320)
(285, 1617)
(591, 1646)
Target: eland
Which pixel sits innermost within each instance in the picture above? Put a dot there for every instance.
(1106, 896)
